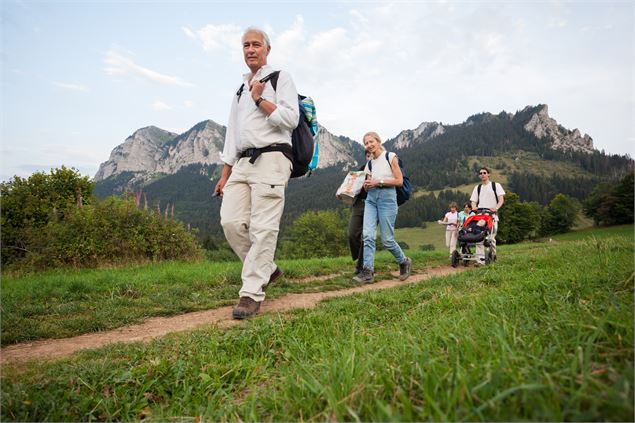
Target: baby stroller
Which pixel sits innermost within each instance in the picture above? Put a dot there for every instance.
(476, 228)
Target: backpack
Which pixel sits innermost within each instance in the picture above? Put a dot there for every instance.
(404, 191)
(479, 192)
(304, 139)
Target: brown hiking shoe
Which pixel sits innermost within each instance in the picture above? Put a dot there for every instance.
(246, 308)
(404, 269)
(277, 274)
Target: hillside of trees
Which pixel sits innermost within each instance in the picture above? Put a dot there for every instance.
(441, 163)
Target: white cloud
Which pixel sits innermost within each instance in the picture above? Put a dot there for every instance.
(160, 106)
(217, 37)
(71, 87)
(189, 32)
(119, 65)
(188, 104)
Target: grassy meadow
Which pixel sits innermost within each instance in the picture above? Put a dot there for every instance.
(58, 304)
(544, 334)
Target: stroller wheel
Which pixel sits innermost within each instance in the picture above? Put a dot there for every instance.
(455, 258)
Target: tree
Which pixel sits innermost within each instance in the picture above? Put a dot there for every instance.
(611, 205)
(318, 234)
(29, 204)
(518, 220)
(559, 215)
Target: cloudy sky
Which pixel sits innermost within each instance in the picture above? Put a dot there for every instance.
(79, 77)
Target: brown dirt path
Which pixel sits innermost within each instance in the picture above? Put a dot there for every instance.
(159, 326)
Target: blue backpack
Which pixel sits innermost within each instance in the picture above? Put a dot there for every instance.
(403, 192)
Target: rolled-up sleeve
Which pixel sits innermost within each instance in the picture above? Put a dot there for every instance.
(287, 113)
(230, 148)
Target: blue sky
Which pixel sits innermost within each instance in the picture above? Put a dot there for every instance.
(79, 77)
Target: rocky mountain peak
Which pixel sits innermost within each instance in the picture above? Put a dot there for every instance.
(424, 132)
(543, 126)
(151, 150)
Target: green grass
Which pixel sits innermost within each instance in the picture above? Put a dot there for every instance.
(545, 334)
(433, 234)
(59, 304)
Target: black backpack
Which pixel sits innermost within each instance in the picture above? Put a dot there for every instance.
(479, 192)
(302, 137)
(404, 191)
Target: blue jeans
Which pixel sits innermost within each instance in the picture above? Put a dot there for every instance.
(381, 207)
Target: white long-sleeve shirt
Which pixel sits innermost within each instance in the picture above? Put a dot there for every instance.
(249, 127)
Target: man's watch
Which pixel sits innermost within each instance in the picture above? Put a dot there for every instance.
(381, 183)
(260, 100)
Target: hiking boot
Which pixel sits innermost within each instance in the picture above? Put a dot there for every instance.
(404, 269)
(246, 308)
(277, 274)
(365, 276)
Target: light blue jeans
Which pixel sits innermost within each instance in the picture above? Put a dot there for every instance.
(381, 207)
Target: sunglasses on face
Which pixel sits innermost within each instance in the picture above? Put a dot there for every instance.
(482, 173)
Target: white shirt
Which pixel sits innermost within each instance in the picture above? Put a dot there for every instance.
(452, 219)
(487, 199)
(381, 167)
(249, 127)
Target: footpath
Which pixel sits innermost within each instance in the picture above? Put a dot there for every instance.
(50, 349)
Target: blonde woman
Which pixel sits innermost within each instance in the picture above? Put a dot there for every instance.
(381, 207)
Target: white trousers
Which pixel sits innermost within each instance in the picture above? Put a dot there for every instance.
(480, 248)
(450, 240)
(253, 201)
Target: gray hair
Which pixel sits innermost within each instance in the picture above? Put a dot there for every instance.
(264, 35)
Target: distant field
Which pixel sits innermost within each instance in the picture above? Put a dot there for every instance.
(415, 237)
(503, 165)
(435, 234)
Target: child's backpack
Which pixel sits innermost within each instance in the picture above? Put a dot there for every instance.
(304, 138)
(404, 191)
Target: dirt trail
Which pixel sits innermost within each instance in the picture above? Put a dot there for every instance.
(159, 326)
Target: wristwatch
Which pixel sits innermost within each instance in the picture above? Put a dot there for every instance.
(381, 183)
(260, 100)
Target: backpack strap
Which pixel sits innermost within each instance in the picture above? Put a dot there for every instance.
(272, 77)
(494, 188)
(240, 91)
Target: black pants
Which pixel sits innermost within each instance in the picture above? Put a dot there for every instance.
(355, 227)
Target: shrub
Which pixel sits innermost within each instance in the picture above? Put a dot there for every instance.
(317, 234)
(111, 232)
(29, 204)
(559, 216)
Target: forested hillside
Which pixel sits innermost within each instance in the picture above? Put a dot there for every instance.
(445, 163)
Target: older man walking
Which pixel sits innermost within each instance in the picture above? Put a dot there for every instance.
(256, 169)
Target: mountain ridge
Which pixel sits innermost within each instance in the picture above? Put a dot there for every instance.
(440, 163)
(152, 151)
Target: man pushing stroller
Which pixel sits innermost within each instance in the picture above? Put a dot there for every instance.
(487, 195)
